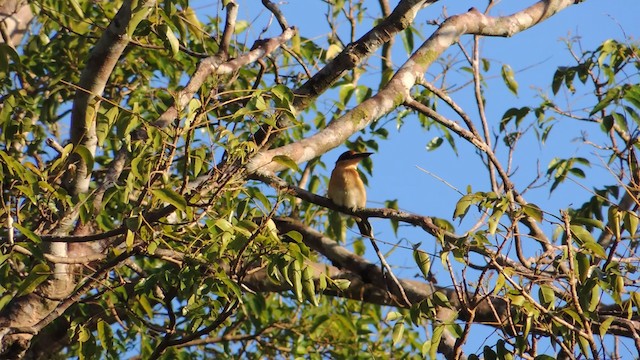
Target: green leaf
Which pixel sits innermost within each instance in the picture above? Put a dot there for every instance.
(105, 123)
(509, 79)
(393, 204)
(171, 197)
(588, 222)
(342, 284)
(358, 247)
(630, 222)
(494, 219)
(28, 233)
(614, 217)
(345, 93)
(241, 26)
(544, 357)
(462, 207)
(517, 113)
(632, 95)
(594, 298)
(558, 79)
(283, 93)
(441, 299)
(86, 156)
(398, 331)
(584, 346)
(337, 230)
(104, 334)
(146, 306)
(486, 64)
(308, 286)
(393, 316)
(500, 281)
(130, 237)
(596, 249)
(528, 323)
(611, 95)
(332, 51)
(171, 38)
(296, 236)
(533, 211)
(584, 265)
(489, 354)
(426, 347)
(604, 326)
(133, 223)
(193, 23)
(77, 9)
(38, 274)
(83, 334)
(295, 273)
(547, 296)
(434, 143)
(286, 161)
(435, 340)
(407, 40)
(423, 261)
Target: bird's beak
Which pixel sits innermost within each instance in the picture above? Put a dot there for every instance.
(361, 155)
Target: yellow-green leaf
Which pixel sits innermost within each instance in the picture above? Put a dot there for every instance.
(584, 266)
(146, 306)
(296, 275)
(129, 239)
(393, 316)
(83, 334)
(171, 39)
(171, 197)
(398, 331)
(533, 211)
(241, 26)
(509, 78)
(423, 261)
(308, 286)
(37, 276)
(28, 233)
(582, 234)
(604, 327)
(76, 7)
(286, 161)
(193, 23)
(342, 284)
(332, 51)
(86, 156)
(463, 205)
(630, 222)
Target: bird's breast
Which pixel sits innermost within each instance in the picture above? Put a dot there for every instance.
(346, 189)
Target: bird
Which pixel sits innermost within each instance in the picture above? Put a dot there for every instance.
(345, 185)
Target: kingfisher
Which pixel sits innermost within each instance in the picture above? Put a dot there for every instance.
(345, 186)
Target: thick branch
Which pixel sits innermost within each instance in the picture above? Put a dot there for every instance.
(229, 28)
(94, 78)
(352, 55)
(397, 90)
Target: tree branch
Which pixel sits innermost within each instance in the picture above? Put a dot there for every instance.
(352, 55)
(214, 65)
(397, 89)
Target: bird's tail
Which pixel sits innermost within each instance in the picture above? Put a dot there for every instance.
(365, 227)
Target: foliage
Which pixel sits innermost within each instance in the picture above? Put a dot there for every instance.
(180, 246)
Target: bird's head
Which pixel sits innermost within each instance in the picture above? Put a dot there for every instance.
(351, 158)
